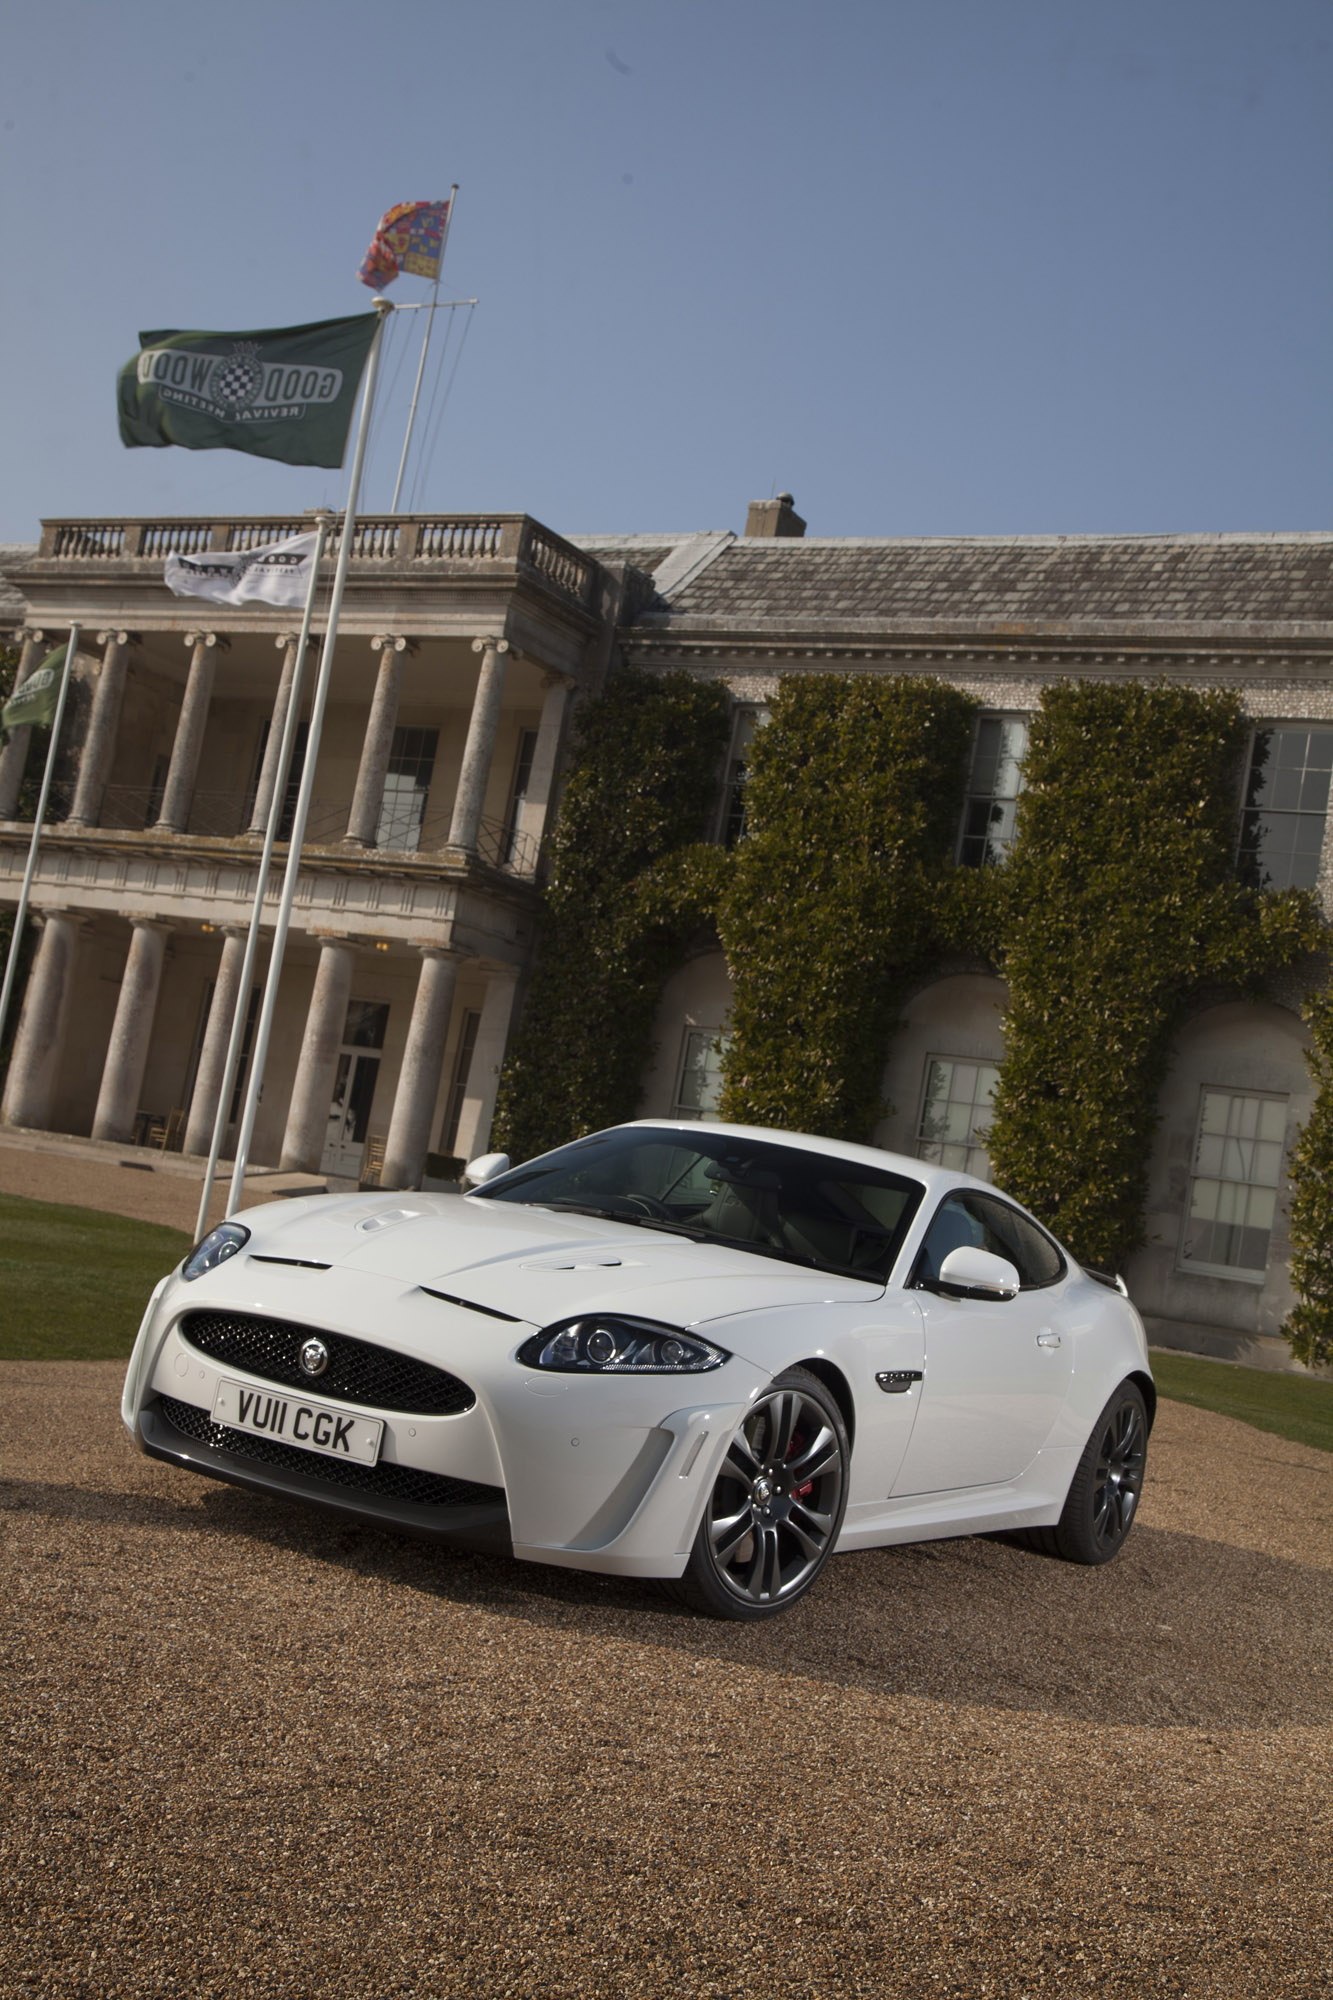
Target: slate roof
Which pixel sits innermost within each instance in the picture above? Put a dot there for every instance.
(1029, 581)
(646, 552)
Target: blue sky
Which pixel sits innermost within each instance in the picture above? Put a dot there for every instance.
(935, 266)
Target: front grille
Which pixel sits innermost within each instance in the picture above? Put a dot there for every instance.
(358, 1371)
(390, 1482)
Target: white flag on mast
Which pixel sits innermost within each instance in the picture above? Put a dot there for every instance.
(278, 573)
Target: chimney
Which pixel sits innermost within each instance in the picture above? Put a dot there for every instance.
(774, 517)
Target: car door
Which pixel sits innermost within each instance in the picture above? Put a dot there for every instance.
(996, 1371)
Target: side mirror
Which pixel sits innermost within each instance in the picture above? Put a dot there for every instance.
(487, 1168)
(968, 1273)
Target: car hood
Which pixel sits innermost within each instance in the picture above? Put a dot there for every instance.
(534, 1264)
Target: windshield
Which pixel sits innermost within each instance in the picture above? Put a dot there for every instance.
(778, 1201)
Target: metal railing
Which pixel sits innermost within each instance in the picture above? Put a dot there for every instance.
(225, 815)
(513, 539)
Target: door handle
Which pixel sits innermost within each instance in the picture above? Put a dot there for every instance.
(1048, 1340)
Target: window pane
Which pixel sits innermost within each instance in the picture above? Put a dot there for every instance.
(1237, 1166)
(955, 1114)
(1286, 805)
(700, 1084)
(994, 783)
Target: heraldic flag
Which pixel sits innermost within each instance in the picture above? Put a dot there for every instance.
(35, 702)
(283, 392)
(410, 238)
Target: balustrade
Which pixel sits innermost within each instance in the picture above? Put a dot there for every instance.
(224, 816)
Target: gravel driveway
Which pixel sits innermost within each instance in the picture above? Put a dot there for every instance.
(249, 1751)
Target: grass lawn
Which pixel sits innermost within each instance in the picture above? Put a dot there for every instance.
(1295, 1406)
(74, 1282)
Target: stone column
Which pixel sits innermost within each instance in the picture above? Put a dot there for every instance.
(14, 756)
(34, 1064)
(364, 818)
(99, 744)
(419, 1078)
(535, 811)
(131, 1031)
(480, 744)
(488, 1053)
(268, 770)
(178, 791)
(217, 1035)
(312, 1092)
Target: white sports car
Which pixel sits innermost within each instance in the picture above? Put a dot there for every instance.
(699, 1352)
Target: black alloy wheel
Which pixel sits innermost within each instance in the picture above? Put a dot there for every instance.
(773, 1517)
(1104, 1495)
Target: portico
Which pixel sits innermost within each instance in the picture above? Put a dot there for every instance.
(463, 645)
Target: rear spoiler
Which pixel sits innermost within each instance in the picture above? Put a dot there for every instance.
(1111, 1279)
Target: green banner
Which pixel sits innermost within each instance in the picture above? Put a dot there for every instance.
(287, 392)
(35, 702)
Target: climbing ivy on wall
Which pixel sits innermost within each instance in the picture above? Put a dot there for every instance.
(1120, 898)
(1119, 902)
(1309, 1327)
(642, 787)
(833, 901)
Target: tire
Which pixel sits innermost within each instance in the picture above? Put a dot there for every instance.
(772, 1519)
(1103, 1497)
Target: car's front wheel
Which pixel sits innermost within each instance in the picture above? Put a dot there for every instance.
(776, 1507)
(1104, 1494)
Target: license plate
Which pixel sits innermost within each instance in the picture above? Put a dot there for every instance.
(289, 1419)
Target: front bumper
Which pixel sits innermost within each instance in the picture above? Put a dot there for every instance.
(596, 1473)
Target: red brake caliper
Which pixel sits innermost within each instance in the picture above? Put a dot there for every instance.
(797, 1446)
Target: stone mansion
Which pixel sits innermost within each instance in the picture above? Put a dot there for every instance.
(465, 646)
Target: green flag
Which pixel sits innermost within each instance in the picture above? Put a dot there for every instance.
(287, 392)
(35, 702)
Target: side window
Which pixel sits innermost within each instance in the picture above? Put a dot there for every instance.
(981, 1222)
(1028, 1248)
(955, 1227)
(996, 779)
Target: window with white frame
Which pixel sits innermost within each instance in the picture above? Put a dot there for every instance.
(1233, 1185)
(1286, 807)
(746, 725)
(699, 1078)
(995, 781)
(956, 1113)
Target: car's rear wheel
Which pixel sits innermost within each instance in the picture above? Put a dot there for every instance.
(1104, 1495)
(776, 1507)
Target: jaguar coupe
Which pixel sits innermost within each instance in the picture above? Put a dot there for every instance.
(703, 1353)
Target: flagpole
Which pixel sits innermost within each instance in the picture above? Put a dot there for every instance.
(421, 365)
(255, 1079)
(20, 914)
(240, 1013)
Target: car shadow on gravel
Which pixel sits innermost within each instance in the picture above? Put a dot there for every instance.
(1179, 1631)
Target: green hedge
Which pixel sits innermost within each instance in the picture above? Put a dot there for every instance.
(1120, 900)
(832, 904)
(643, 785)
(1118, 906)
(1309, 1329)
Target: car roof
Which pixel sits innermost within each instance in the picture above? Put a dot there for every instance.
(934, 1179)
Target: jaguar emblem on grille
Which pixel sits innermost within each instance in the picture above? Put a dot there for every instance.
(314, 1357)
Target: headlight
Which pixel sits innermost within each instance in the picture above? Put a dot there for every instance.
(217, 1246)
(614, 1344)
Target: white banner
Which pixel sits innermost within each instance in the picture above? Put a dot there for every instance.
(279, 573)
